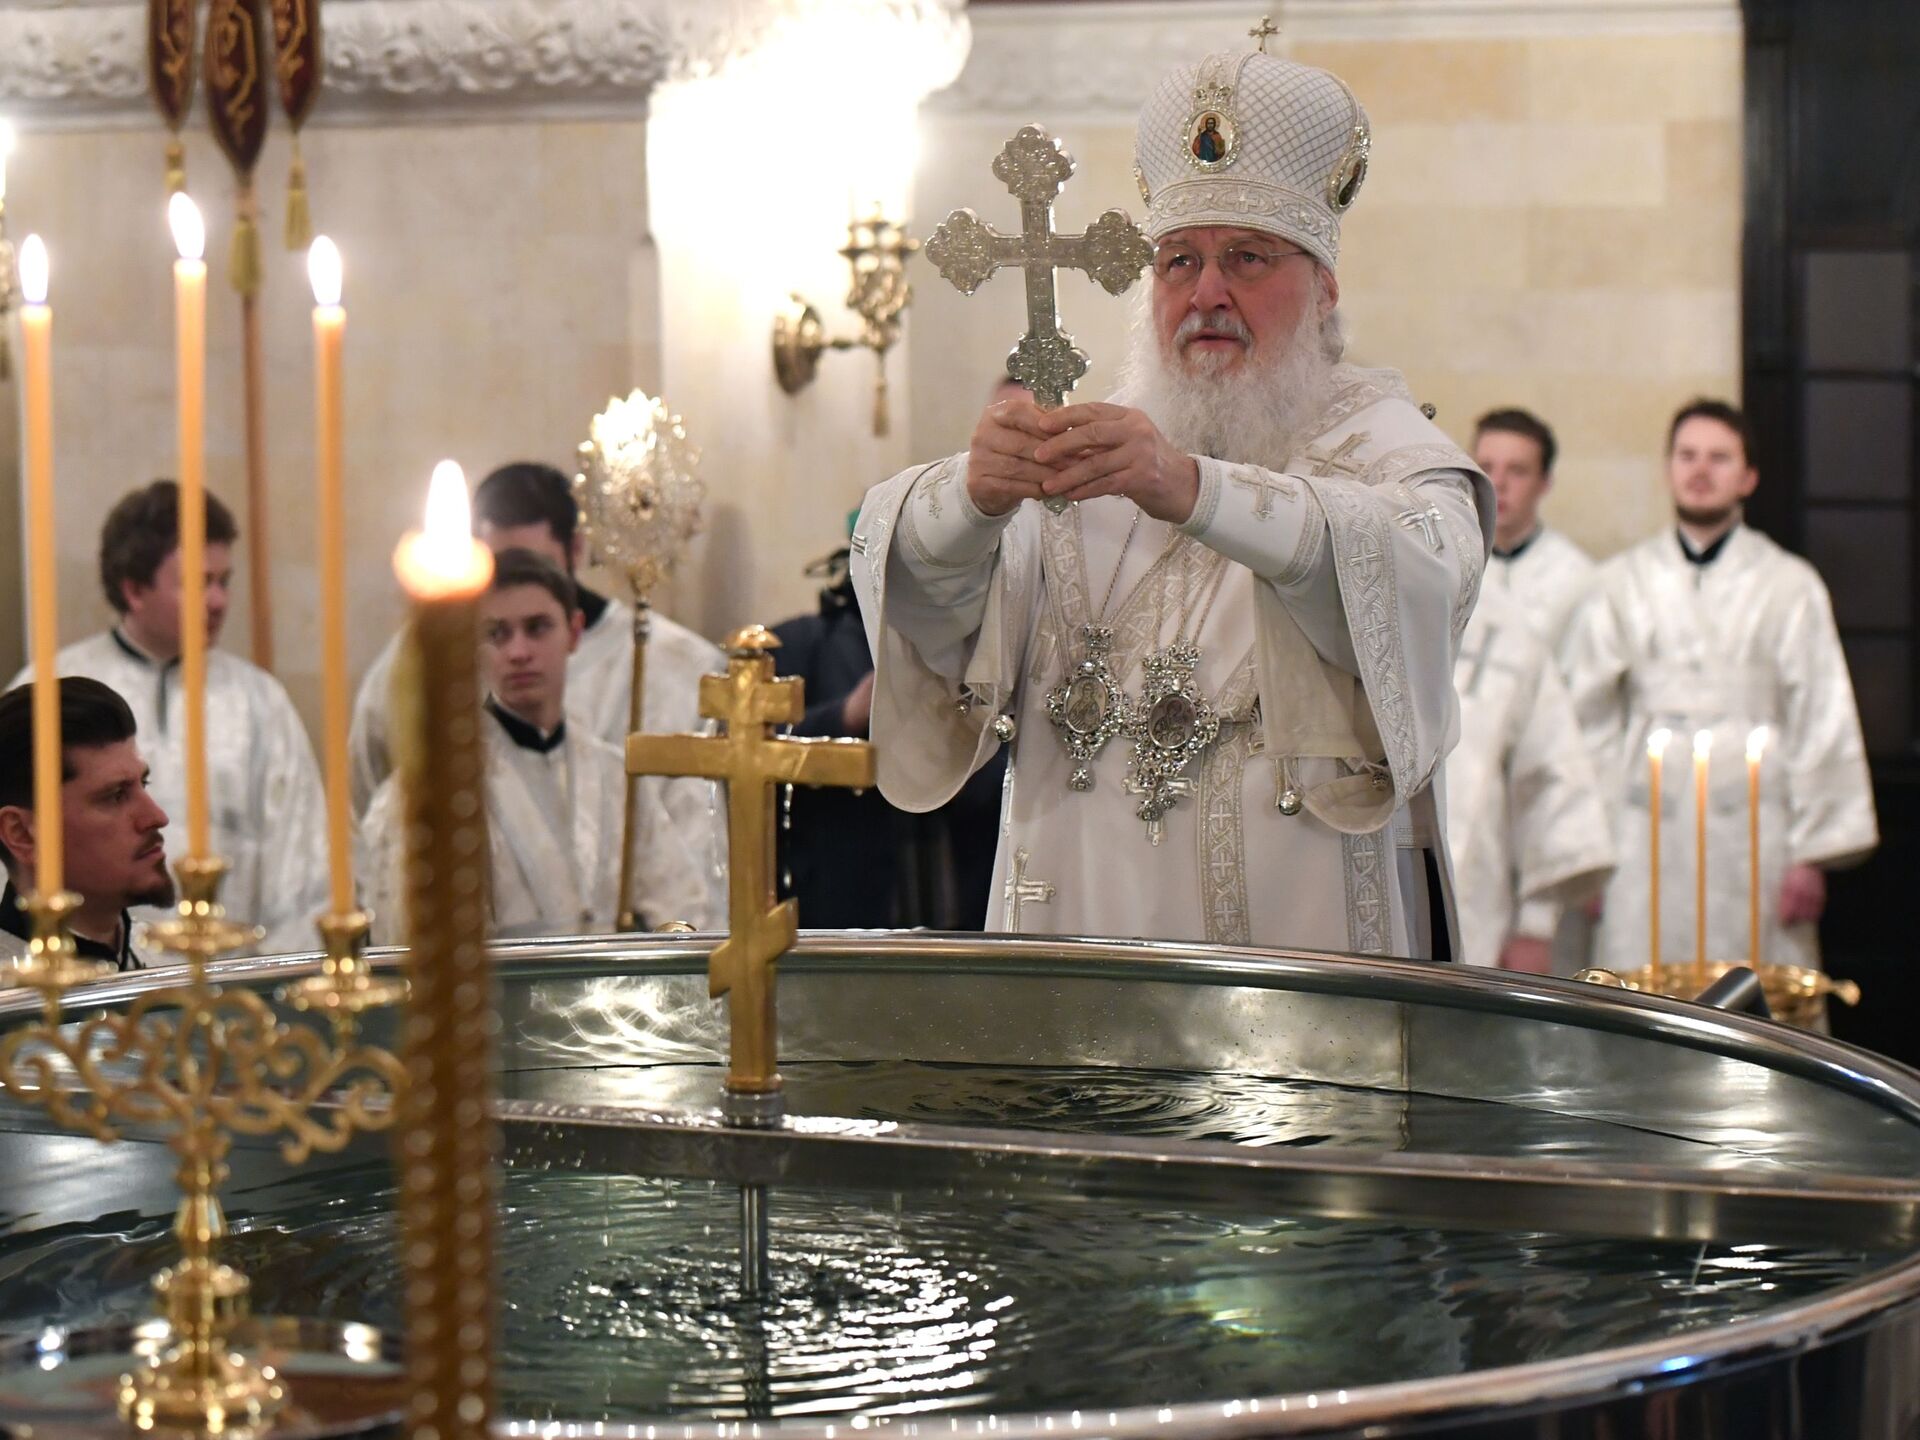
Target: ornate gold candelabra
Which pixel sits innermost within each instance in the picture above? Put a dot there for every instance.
(203, 1064)
(642, 503)
(1796, 994)
(877, 251)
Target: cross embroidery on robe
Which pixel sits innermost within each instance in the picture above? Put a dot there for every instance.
(1020, 891)
(1427, 521)
(1339, 461)
(1264, 489)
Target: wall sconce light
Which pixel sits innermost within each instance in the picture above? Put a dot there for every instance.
(877, 249)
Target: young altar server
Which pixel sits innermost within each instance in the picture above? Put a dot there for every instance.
(1711, 626)
(555, 792)
(266, 807)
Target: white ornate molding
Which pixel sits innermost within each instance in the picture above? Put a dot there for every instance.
(1097, 61)
(82, 63)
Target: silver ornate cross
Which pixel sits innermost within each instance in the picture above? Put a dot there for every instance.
(1338, 462)
(1179, 788)
(1020, 891)
(1113, 250)
(1263, 32)
(1427, 521)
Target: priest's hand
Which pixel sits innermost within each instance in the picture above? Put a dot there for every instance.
(856, 711)
(1803, 895)
(1001, 470)
(1528, 954)
(1103, 449)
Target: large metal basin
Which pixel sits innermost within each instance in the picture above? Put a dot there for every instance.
(1667, 1122)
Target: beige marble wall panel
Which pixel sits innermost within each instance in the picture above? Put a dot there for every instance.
(1552, 220)
(495, 280)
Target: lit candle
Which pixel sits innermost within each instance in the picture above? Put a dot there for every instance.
(36, 337)
(190, 370)
(1656, 757)
(1756, 747)
(446, 1195)
(329, 328)
(1702, 748)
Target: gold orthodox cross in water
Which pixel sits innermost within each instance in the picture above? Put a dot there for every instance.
(751, 761)
(1263, 32)
(1113, 250)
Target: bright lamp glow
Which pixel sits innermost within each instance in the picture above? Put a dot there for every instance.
(449, 514)
(33, 270)
(189, 230)
(324, 269)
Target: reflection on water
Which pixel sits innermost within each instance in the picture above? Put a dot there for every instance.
(1188, 1105)
(622, 1299)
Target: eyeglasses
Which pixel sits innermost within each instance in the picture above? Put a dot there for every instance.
(1241, 262)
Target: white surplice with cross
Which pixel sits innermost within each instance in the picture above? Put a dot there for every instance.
(1345, 573)
(1744, 641)
(1526, 822)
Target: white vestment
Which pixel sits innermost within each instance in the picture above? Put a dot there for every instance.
(1743, 641)
(266, 810)
(1345, 576)
(1546, 581)
(1525, 819)
(554, 821)
(599, 690)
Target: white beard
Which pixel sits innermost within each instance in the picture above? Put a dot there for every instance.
(1256, 414)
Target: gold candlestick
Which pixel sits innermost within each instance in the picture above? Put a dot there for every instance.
(190, 362)
(1756, 746)
(1702, 750)
(1656, 756)
(761, 928)
(447, 1162)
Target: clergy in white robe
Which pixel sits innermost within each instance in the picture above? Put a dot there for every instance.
(112, 830)
(1226, 673)
(1543, 572)
(530, 506)
(266, 808)
(1718, 629)
(1526, 821)
(555, 793)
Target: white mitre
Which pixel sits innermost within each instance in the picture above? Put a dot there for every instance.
(1249, 139)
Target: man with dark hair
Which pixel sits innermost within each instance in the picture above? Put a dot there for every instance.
(1715, 629)
(115, 856)
(530, 506)
(1541, 571)
(265, 804)
(554, 791)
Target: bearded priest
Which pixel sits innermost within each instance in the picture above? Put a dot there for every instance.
(1226, 672)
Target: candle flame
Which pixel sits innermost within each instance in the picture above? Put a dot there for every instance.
(1702, 744)
(33, 270)
(324, 270)
(1756, 744)
(1657, 743)
(449, 528)
(189, 230)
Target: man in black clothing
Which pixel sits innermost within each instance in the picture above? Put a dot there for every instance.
(852, 860)
(112, 827)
